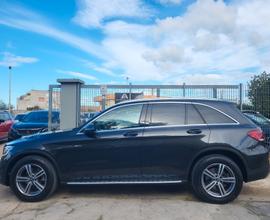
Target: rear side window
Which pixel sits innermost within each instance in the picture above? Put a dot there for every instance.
(212, 116)
(168, 114)
(193, 116)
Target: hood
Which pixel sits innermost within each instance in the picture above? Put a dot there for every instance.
(28, 125)
(45, 137)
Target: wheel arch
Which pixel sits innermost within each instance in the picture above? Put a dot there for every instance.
(230, 153)
(32, 153)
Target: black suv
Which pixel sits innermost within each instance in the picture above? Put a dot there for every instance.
(208, 143)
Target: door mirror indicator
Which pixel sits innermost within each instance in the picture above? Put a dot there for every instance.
(90, 131)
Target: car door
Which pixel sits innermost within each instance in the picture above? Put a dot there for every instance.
(113, 154)
(175, 132)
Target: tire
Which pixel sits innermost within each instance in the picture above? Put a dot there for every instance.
(207, 186)
(40, 186)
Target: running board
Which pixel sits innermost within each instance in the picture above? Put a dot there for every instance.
(124, 182)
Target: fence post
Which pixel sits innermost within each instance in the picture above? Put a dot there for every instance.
(241, 96)
(158, 92)
(70, 103)
(50, 108)
(184, 89)
(103, 91)
(130, 85)
(215, 93)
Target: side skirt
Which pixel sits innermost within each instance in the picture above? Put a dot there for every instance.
(125, 182)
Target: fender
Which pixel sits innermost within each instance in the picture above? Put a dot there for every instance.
(36, 152)
(220, 150)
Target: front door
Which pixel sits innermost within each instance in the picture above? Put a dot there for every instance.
(113, 154)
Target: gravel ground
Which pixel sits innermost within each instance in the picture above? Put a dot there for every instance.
(137, 202)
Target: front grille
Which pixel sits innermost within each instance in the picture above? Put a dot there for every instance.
(24, 132)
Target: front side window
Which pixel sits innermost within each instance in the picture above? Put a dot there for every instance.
(123, 117)
(168, 114)
(212, 116)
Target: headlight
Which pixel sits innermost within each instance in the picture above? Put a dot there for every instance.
(6, 150)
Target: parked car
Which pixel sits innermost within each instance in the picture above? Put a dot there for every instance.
(6, 121)
(86, 116)
(19, 117)
(209, 144)
(261, 121)
(32, 123)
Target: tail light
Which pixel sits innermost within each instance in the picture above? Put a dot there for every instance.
(257, 135)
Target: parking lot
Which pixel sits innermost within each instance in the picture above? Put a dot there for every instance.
(137, 202)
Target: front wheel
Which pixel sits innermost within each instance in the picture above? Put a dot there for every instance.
(33, 178)
(216, 179)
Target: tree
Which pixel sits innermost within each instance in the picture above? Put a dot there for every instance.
(259, 93)
(3, 106)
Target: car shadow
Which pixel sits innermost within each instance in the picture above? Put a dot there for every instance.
(130, 191)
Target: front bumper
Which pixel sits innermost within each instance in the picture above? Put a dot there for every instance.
(13, 135)
(2, 181)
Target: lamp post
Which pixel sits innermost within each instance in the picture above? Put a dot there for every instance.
(9, 92)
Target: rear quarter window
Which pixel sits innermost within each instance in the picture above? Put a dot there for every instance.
(212, 116)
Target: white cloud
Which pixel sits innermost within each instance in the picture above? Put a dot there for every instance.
(169, 2)
(211, 42)
(211, 38)
(10, 59)
(92, 13)
(21, 18)
(77, 74)
(101, 69)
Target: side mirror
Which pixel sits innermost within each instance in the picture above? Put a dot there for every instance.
(90, 131)
(2, 121)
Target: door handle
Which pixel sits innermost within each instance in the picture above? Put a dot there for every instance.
(130, 134)
(194, 131)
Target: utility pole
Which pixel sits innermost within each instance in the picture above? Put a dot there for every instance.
(9, 92)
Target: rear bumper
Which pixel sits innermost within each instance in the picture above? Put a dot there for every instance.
(257, 166)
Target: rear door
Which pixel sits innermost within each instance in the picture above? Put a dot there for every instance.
(175, 132)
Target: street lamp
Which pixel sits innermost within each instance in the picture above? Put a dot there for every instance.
(9, 95)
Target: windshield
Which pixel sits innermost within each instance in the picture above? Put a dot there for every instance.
(258, 118)
(19, 117)
(39, 117)
(4, 116)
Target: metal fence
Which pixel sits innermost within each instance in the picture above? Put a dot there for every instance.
(95, 98)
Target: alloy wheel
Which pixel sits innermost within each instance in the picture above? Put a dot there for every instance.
(218, 180)
(31, 179)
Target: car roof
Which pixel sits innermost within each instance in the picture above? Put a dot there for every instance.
(250, 111)
(214, 101)
(41, 111)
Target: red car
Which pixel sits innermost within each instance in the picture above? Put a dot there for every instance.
(6, 121)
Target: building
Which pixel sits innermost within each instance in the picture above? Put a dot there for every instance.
(33, 99)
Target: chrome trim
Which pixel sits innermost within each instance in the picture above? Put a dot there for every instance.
(123, 182)
(157, 102)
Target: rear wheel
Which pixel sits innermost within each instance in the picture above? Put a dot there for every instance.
(216, 179)
(33, 178)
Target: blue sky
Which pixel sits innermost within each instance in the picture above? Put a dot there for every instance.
(149, 41)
